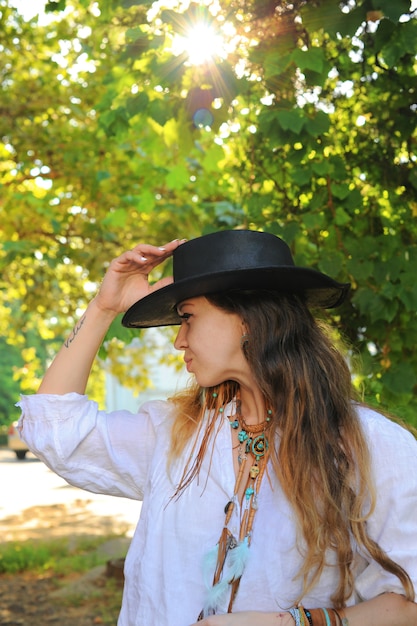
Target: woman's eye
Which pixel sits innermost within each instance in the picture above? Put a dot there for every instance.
(185, 316)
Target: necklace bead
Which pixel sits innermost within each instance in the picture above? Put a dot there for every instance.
(249, 492)
(242, 436)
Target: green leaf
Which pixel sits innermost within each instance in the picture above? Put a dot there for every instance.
(385, 30)
(340, 191)
(338, 168)
(290, 231)
(101, 175)
(354, 199)
(319, 200)
(318, 125)
(392, 52)
(301, 176)
(361, 269)
(146, 201)
(55, 5)
(313, 221)
(159, 111)
(137, 104)
(311, 59)
(331, 262)
(275, 64)
(116, 218)
(402, 43)
(178, 177)
(15, 248)
(135, 49)
(213, 155)
(291, 120)
(375, 307)
(393, 10)
(322, 168)
(341, 218)
(327, 16)
(408, 295)
(400, 378)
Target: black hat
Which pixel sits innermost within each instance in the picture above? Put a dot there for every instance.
(230, 260)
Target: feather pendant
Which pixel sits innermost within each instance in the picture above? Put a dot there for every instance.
(237, 560)
(209, 565)
(216, 597)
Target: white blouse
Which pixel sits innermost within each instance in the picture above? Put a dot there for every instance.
(124, 454)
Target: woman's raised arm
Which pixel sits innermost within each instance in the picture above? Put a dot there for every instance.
(125, 282)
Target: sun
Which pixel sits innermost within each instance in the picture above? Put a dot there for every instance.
(201, 44)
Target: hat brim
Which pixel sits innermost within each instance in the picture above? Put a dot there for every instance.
(159, 308)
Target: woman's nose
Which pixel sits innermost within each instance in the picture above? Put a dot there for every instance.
(180, 340)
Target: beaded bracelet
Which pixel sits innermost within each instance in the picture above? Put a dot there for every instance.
(295, 613)
(318, 617)
(323, 617)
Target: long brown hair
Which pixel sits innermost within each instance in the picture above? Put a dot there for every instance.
(322, 460)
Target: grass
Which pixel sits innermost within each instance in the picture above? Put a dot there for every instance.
(63, 560)
(59, 556)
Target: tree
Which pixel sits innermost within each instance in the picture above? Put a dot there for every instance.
(302, 125)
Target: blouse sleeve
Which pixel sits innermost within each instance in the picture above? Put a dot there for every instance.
(393, 524)
(101, 452)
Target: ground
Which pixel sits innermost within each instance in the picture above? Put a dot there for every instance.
(71, 599)
(27, 599)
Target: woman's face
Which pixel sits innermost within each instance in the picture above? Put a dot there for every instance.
(210, 339)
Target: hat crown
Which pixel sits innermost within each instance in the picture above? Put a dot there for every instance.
(229, 251)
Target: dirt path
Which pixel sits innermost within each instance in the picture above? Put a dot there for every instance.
(27, 599)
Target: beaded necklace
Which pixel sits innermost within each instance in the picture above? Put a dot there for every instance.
(231, 553)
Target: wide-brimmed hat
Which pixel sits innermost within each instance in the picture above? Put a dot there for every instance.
(232, 260)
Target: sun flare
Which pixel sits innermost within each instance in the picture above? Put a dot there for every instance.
(201, 44)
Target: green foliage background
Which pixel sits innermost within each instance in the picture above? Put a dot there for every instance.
(305, 128)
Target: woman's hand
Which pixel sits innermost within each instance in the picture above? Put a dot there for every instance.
(126, 280)
(248, 618)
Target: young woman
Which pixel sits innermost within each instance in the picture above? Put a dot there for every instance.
(270, 496)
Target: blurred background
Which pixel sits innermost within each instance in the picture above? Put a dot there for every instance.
(125, 121)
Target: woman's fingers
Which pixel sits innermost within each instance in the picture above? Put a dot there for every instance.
(167, 249)
(146, 256)
(126, 280)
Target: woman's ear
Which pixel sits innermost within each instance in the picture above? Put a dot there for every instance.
(244, 340)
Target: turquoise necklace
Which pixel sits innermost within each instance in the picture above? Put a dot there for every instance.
(233, 550)
(253, 436)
